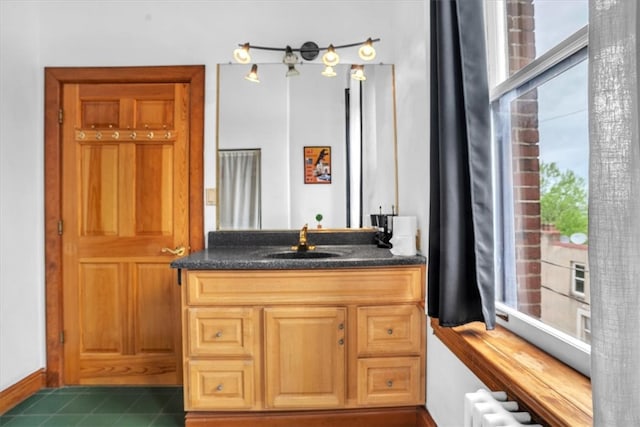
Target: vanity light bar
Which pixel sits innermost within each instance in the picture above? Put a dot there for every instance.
(309, 51)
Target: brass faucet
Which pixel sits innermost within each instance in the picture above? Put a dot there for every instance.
(302, 245)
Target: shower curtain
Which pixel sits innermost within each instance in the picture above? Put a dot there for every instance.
(239, 189)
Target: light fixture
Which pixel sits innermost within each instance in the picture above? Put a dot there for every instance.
(309, 51)
(357, 73)
(366, 51)
(241, 54)
(290, 59)
(329, 71)
(253, 74)
(289, 56)
(292, 71)
(331, 58)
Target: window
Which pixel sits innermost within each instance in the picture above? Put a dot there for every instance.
(538, 72)
(578, 273)
(584, 325)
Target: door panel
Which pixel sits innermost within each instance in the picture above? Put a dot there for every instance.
(99, 190)
(153, 283)
(100, 308)
(125, 198)
(154, 189)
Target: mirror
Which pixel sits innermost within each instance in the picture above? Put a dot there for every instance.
(264, 129)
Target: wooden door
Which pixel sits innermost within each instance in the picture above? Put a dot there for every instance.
(125, 204)
(305, 357)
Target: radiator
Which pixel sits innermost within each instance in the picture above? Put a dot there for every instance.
(491, 409)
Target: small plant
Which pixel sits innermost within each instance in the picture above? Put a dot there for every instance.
(319, 219)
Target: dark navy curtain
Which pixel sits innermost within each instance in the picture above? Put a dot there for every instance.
(461, 253)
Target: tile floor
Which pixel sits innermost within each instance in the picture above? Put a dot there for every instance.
(99, 406)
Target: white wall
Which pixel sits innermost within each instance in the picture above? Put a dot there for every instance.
(22, 342)
(37, 34)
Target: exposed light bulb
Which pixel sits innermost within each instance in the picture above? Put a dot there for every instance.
(357, 73)
(366, 51)
(241, 54)
(331, 58)
(289, 56)
(292, 71)
(329, 71)
(253, 74)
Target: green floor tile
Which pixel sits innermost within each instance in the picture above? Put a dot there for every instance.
(175, 405)
(149, 404)
(26, 421)
(136, 420)
(99, 420)
(70, 390)
(49, 404)
(20, 408)
(97, 406)
(116, 404)
(67, 420)
(83, 404)
(169, 420)
(164, 390)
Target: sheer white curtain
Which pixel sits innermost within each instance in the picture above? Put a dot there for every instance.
(239, 189)
(614, 212)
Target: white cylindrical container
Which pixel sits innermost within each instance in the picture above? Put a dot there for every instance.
(404, 235)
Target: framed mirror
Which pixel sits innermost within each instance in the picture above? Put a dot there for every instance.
(274, 121)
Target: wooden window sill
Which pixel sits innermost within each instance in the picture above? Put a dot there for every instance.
(551, 391)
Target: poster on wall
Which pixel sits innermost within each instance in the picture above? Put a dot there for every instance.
(317, 165)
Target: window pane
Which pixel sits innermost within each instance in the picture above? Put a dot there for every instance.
(535, 26)
(545, 151)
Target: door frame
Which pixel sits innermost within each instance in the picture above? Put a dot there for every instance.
(54, 79)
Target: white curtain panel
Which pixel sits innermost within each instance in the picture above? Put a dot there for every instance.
(239, 191)
(614, 212)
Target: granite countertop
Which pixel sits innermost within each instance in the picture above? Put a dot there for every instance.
(255, 250)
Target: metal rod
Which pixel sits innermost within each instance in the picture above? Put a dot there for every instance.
(284, 49)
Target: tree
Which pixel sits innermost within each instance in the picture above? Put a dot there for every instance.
(563, 199)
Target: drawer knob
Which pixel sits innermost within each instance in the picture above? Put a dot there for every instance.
(220, 387)
(341, 326)
(341, 341)
(389, 383)
(218, 334)
(390, 331)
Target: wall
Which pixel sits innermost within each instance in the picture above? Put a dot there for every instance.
(22, 339)
(37, 34)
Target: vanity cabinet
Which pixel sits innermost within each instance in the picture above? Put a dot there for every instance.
(293, 340)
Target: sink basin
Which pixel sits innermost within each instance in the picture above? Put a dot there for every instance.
(302, 255)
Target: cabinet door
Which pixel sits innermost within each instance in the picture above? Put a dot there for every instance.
(305, 357)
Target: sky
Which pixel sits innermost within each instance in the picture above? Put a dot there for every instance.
(563, 101)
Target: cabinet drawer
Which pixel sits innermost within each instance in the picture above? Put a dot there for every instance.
(221, 331)
(219, 384)
(390, 330)
(389, 381)
(326, 286)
